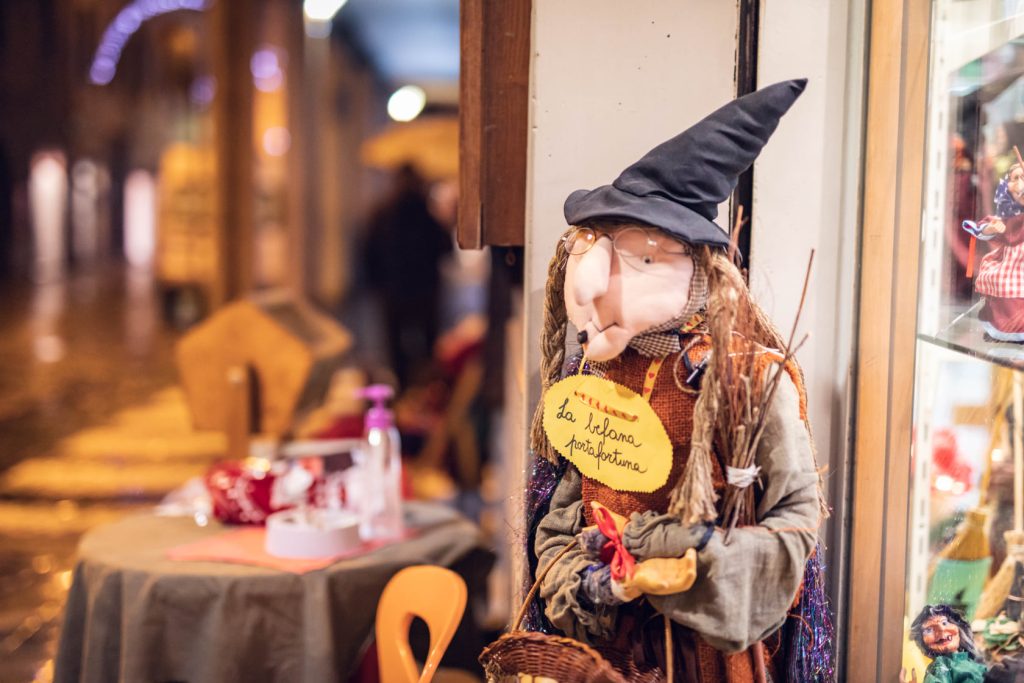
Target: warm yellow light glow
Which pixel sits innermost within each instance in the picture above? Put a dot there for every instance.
(322, 10)
(66, 509)
(48, 348)
(277, 141)
(48, 195)
(139, 218)
(406, 103)
(42, 564)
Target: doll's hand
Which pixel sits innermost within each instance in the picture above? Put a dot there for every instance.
(601, 589)
(664, 575)
(651, 534)
(592, 541)
(903, 676)
(995, 227)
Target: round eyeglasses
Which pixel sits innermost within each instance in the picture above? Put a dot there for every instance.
(642, 248)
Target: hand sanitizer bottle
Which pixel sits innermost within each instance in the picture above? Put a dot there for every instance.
(380, 495)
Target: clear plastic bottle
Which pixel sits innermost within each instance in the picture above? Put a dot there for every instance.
(380, 469)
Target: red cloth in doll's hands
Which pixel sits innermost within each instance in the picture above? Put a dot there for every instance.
(613, 553)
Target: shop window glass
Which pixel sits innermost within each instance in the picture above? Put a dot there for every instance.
(967, 464)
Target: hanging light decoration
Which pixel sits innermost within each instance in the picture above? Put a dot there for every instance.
(124, 26)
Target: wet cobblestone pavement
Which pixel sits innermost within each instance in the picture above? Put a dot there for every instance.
(91, 427)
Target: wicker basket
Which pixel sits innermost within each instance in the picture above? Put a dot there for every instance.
(556, 657)
(562, 659)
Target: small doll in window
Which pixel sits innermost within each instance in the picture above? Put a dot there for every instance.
(1000, 276)
(943, 634)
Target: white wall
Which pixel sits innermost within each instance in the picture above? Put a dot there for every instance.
(610, 80)
(801, 192)
(806, 195)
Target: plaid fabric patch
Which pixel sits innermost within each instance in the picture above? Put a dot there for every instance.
(1001, 273)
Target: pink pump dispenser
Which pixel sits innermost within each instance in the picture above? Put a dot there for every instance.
(379, 416)
(380, 465)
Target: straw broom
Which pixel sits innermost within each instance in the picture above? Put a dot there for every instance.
(971, 541)
(998, 589)
(745, 394)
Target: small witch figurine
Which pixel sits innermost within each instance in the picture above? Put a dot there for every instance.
(944, 635)
(1001, 272)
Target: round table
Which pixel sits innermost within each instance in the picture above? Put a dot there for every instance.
(133, 615)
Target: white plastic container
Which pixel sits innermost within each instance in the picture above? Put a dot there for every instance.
(312, 533)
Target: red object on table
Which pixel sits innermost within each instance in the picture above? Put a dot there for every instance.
(243, 495)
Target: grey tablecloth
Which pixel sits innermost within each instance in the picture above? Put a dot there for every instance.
(134, 616)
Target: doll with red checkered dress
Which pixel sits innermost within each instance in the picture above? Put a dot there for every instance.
(1000, 277)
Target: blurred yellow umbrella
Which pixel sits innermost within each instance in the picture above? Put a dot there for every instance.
(431, 144)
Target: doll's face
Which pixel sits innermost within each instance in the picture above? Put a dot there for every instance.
(621, 281)
(940, 635)
(1015, 183)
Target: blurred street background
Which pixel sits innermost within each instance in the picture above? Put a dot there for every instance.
(91, 427)
(162, 158)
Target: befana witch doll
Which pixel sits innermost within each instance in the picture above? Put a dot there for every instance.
(942, 634)
(629, 501)
(1000, 277)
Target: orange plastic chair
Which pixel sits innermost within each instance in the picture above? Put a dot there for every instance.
(435, 595)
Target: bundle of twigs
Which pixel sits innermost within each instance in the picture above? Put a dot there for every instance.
(745, 385)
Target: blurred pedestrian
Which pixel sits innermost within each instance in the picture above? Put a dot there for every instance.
(405, 247)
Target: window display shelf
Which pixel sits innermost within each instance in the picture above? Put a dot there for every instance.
(970, 343)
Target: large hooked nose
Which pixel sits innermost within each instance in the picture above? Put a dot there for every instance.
(593, 273)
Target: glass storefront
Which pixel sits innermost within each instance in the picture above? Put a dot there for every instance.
(966, 494)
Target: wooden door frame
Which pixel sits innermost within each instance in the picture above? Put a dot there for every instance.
(494, 99)
(890, 242)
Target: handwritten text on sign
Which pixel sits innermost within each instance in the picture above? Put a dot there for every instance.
(608, 432)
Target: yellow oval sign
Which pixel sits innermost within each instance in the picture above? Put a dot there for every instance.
(610, 433)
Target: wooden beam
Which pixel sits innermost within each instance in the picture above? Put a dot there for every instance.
(471, 20)
(895, 124)
(746, 82)
(233, 27)
(494, 93)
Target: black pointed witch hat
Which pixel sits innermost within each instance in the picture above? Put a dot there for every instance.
(678, 185)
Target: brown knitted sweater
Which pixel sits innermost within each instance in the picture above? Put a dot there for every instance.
(675, 408)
